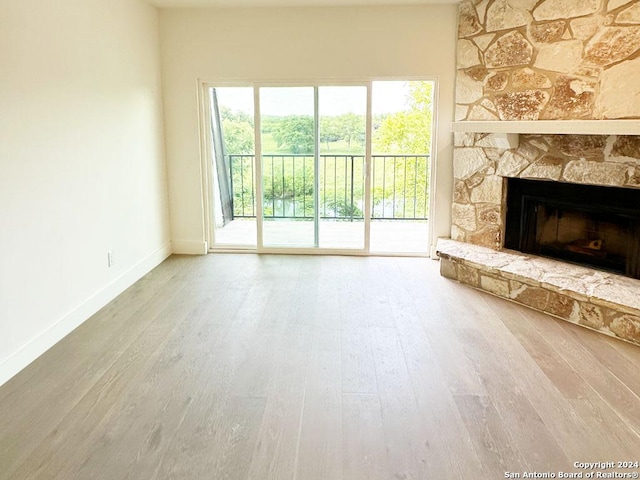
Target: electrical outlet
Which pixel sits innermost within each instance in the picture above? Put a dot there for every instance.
(111, 261)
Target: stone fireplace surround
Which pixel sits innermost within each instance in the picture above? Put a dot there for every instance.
(475, 256)
(564, 75)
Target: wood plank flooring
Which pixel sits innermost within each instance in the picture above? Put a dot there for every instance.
(318, 368)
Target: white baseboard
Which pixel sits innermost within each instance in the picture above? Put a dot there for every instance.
(188, 247)
(36, 347)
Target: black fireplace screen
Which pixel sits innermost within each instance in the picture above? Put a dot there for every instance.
(589, 225)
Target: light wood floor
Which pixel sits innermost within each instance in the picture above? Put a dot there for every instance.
(300, 367)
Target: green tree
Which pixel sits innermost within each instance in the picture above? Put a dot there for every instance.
(329, 130)
(351, 127)
(235, 115)
(237, 131)
(296, 133)
(238, 137)
(408, 131)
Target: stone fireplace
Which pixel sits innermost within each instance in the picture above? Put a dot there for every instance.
(570, 69)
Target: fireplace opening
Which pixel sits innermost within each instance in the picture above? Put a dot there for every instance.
(588, 225)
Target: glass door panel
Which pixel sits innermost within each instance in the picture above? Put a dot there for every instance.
(342, 113)
(401, 156)
(289, 164)
(233, 148)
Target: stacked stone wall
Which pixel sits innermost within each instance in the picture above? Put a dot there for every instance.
(548, 60)
(480, 169)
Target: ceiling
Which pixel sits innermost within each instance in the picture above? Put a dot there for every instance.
(291, 3)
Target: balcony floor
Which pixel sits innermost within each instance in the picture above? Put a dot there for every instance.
(387, 236)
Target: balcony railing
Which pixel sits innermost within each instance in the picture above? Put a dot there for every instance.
(400, 186)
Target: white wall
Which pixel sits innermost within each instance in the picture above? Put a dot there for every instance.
(296, 44)
(82, 167)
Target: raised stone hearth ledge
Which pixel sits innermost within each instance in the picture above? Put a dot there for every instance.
(597, 300)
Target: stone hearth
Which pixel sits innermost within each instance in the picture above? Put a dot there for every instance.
(597, 300)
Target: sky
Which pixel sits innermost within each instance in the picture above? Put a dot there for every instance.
(387, 97)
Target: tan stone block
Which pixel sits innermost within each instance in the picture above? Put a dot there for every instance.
(497, 81)
(612, 44)
(467, 162)
(563, 57)
(527, 149)
(496, 140)
(579, 146)
(503, 15)
(481, 8)
(458, 234)
(534, 297)
(483, 41)
(468, 23)
(493, 155)
(560, 305)
(511, 49)
(627, 327)
(524, 4)
(585, 27)
(478, 73)
(556, 9)
(480, 113)
(468, 90)
(633, 177)
(626, 148)
(489, 236)
(538, 143)
(525, 105)
(495, 285)
(475, 180)
(448, 269)
(609, 316)
(464, 216)
(461, 112)
(464, 139)
(526, 78)
(572, 98)
(489, 215)
(489, 191)
(630, 15)
(468, 275)
(547, 167)
(510, 165)
(460, 192)
(589, 315)
(613, 4)
(489, 105)
(547, 32)
(468, 54)
(595, 173)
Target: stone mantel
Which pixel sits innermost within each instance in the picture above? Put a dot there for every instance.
(551, 127)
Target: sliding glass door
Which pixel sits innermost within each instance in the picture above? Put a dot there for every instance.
(313, 166)
(342, 166)
(289, 166)
(325, 167)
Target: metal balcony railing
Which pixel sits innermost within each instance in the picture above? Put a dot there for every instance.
(400, 186)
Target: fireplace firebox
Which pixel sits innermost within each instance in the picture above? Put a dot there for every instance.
(588, 225)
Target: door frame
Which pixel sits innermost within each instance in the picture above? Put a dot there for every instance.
(206, 167)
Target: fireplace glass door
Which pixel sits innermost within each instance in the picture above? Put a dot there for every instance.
(592, 226)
